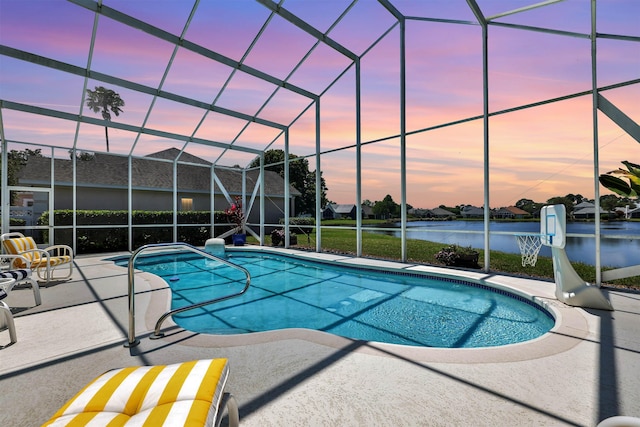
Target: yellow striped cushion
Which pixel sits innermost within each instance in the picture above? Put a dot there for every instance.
(53, 261)
(173, 395)
(17, 245)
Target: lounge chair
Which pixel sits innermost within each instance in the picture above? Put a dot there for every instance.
(6, 317)
(44, 261)
(189, 393)
(10, 264)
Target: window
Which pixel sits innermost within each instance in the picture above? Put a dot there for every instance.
(186, 204)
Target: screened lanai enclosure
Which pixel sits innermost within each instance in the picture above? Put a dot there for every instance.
(477, 105)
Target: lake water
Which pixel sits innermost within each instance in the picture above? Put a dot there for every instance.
(619, 244)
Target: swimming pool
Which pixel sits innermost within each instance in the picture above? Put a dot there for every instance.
(286, 292)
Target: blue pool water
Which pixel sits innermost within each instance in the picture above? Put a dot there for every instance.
(286, 292)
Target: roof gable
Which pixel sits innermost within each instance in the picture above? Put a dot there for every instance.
(441, 212)
(107, 170)
(517, 211)
(343, 208)
(173, 153)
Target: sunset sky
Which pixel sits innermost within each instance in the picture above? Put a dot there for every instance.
(535, 153)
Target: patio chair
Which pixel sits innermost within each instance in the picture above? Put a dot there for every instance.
(6, 317)
(44, 261)
(9, 270)
(190, 393)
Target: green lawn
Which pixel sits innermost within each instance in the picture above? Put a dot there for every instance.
(421, 251)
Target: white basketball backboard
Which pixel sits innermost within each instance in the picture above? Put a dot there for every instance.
(553, 225)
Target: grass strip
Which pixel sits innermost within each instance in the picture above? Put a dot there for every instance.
(381, 246)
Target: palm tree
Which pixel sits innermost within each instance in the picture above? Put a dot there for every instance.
(102, 100)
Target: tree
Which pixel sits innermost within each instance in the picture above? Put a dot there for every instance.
(455, 210)
(306, 203)
(386, 208)
(299, 177)
(82, 155)
(101, 100)
(16, 160)
(528, 205)
(568, 203)
(609, 202)
(524, 204)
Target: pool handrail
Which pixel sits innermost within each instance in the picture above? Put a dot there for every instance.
(132, 340)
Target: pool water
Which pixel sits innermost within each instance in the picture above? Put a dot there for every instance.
(286, 292)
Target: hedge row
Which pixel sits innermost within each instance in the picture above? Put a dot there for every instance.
(115, 239)
(305, 224)
(97, 240)
(106, 217)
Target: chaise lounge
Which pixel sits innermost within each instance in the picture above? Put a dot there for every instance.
(183, 394)
(6, 317)
(18, 268)
(43, 261)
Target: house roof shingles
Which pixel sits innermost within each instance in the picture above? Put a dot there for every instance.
(105, 170)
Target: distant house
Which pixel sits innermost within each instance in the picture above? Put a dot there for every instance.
(472, 212)
(586, 210)
(438, 213)
(102, 182)
(441, 213)
(339, 211)
(519, 213)
(583, 205)
(346, 211)
(328, 212)
(510, 212)
(502, 213)
(367, 212)
(627, 212)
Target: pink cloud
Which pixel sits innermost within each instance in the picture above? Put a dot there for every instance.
(57, 30)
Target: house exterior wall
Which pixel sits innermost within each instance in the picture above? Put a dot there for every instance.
(328, 213)
(116, 199)
(113, 199)
(273, 211)
(101, 184)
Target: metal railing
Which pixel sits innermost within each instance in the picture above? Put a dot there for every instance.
(132, 340)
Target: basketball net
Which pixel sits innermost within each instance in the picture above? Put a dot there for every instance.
(529, 245)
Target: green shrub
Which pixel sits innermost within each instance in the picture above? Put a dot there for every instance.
(115, 238)
(306, 224)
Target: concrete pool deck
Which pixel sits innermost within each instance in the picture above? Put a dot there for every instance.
(584, 371)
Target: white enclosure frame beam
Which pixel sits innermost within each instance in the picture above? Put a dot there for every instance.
(596, 151)
(358, 159)
(10, 105)
(130, 202)
(485, 116)
(168, 37)
(175, 198)
(6, 203)
(105, 78)
(262, 205)
(403, 140)
(318, 182)
(287, 192)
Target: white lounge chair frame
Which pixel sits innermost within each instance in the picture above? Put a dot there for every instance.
(21, 275)
(6, 317)
(45, 270)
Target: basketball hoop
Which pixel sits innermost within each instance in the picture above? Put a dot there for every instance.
(529, 245)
